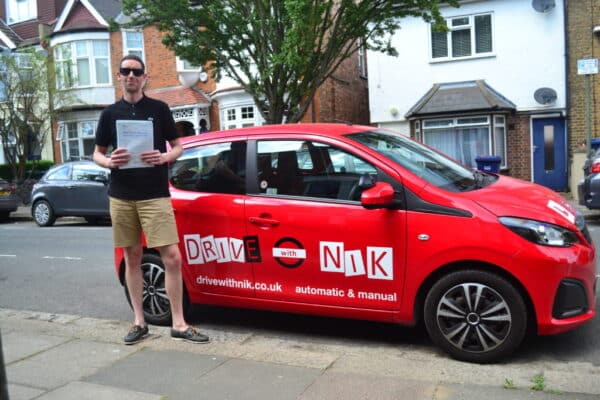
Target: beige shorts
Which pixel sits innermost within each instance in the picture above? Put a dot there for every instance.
(154, 217)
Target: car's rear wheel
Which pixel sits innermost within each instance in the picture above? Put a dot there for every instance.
(157, 307)
(43, 215)
(476, 316)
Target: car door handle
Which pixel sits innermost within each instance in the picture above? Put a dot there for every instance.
(261, 221)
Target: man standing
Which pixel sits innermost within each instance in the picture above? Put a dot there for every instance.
(139, 196)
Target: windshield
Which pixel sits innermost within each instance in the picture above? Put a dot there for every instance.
(427, 164)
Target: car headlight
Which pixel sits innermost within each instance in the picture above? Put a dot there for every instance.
(540, 232)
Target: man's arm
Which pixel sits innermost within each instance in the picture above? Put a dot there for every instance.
(118, 157)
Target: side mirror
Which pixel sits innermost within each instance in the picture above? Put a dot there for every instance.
(101, 178)
(380, 195)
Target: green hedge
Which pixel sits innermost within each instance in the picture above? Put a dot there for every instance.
(38, 168)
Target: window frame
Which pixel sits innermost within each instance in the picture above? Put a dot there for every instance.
(67, 67)
(138, 51)
(240, 116)
(456, 123)
(473, 38)
(63, 136)
(16, 14)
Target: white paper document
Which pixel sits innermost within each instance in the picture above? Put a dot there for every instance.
(137, 137)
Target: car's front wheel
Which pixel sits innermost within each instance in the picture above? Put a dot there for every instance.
(476, 316)
(157, 308)
(42, 212)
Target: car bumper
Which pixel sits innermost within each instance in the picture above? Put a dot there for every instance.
(572, 300)
(588, 190)
(9, 204)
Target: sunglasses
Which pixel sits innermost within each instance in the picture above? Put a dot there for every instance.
(127, 71)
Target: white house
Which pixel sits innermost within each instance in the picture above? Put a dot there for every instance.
(494, 84)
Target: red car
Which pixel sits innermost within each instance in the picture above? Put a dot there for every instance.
(359, 222)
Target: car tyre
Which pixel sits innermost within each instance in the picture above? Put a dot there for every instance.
(475, 316)
(157, 307)
(43, 214)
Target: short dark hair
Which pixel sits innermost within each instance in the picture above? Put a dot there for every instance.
(134, 58)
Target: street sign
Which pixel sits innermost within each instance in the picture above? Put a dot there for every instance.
(587, 66)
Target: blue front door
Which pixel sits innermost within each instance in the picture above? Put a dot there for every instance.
(549, 153)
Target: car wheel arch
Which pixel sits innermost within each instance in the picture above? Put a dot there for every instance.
(436, 275)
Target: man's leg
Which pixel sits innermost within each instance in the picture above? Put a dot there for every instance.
(135, 281)
(171, 257)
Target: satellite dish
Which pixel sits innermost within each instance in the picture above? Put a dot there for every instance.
(543, 5)
(203, 76)
(545, 96)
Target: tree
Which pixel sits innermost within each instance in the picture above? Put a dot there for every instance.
(26, 110)
(280, 51)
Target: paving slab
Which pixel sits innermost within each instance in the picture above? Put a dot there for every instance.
(20, 345)
(333, 385)
(173, 373)
(461, 392)
(253, 380)
(91, 391)
(67, 362)
(19, 392)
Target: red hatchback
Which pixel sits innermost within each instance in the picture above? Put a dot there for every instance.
(358, 222)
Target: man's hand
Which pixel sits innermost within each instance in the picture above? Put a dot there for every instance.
(154, 157)
(119, 157)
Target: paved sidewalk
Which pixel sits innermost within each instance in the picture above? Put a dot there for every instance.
(67, 357)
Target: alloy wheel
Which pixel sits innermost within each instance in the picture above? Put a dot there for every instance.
(473, 317)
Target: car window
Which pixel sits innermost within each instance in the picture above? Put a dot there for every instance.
(215, 168)
(430, 165)
(90, 173)
(309, 169)
(61, 173)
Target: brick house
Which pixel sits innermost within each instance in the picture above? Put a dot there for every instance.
(583, 33)
(493, 85)
(86, 54)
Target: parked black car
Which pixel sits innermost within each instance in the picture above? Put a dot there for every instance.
(76, 188)
(8, 199)
(589, 187)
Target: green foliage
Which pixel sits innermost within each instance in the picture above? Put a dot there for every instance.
(33, 170)
(280, 51)
(26, 106)
(539, 383)
(509, 384)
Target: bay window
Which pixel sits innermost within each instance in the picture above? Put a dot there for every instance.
(239, 117)
(77, 139)
(466, 138)
(82, 63)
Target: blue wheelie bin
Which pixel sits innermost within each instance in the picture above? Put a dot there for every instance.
(488, 163)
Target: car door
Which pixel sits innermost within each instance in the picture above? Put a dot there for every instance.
(208, 193)
(56, 188)
(317, 244)
(88, 191)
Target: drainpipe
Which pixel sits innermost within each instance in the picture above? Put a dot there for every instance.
(567, 92)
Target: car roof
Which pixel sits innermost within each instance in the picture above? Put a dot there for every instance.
(331, 129)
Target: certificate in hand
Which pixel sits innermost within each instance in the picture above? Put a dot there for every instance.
(136, 136)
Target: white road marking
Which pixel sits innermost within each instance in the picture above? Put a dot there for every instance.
(8, 255)
(61, 258)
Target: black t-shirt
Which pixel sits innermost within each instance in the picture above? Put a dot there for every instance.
(138, 183)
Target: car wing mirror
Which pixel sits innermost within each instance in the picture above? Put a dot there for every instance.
(101, 178)
(379, 195)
